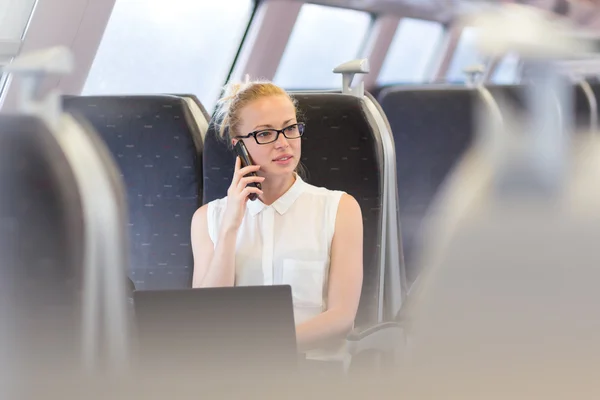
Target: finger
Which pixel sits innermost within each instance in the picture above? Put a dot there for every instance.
(246, 170)
(249, 179)
(250, 189)
(236, 170)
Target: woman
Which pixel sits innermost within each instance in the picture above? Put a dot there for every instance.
(297, 234)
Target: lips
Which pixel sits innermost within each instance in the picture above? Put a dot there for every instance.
(283, 157)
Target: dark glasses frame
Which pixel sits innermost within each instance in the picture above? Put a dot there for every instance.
(300, 125)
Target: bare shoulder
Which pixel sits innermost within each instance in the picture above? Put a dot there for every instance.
(349, 207)
(349, 216)
(200, 224)
(199, 216)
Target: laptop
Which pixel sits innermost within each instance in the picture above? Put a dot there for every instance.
(227, 331)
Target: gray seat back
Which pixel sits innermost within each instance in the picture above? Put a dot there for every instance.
(64, 249)
(157, 145)
(432, 127)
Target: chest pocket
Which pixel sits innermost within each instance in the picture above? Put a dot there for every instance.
(307, 280)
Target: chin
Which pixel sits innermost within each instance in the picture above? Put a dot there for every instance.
(280, 170)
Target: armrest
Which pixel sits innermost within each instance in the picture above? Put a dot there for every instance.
(362, 332)
(384, 337)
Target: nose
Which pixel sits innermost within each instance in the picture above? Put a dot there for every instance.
(281, 141)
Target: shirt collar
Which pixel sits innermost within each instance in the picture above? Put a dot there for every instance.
(282, 204)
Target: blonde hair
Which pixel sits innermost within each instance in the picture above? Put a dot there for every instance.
(236, 96)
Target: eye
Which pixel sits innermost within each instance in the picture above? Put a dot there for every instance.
(291, 128)
(264, 134)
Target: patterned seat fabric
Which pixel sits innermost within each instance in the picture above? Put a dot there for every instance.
(339, 151)
(158, 148)
(198, 112)
(432, 128)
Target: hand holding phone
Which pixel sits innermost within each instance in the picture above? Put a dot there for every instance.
(242, 186)
(242, 152)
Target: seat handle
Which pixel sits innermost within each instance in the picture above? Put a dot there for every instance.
(348, 70)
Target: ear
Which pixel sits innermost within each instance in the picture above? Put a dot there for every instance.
(233, 142)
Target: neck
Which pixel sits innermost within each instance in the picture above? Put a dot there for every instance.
(274, 187)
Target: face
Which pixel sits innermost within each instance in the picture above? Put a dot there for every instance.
(273, 112)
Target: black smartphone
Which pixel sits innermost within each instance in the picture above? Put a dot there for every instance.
(242, 151)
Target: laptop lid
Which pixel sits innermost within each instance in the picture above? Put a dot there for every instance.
(227, 330)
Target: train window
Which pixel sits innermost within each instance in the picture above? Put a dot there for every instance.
(507, 70)
(411, 52)
(323, 37)
(465, 55)
(14, 17)
(175, 46)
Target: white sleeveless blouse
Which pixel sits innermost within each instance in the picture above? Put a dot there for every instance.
(288, 242)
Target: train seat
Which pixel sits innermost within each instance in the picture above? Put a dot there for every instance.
(201, 116)
(432, 128)
(61, 209)
(41, 234)
(157, 144)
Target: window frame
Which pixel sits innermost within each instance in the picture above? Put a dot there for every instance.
(360, 53)
(245, 28)
(10, 49)
(486, 61)
(433, 63)
(24, 28)
(244, 40)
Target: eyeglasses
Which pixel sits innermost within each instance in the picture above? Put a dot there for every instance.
(266, 136)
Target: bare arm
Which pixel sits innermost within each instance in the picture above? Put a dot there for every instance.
(345, 279)
(213, 266)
